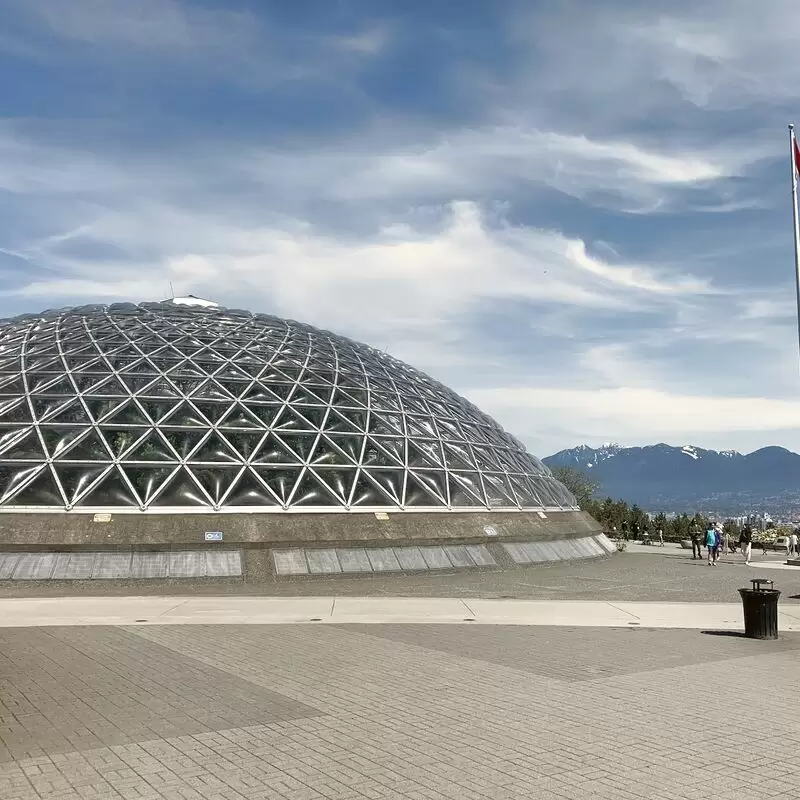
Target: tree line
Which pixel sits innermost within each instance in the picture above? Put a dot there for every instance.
(618, 517)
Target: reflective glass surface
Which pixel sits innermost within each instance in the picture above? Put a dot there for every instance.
(162, 405)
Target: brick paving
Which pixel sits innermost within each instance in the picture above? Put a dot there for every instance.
(386, 711)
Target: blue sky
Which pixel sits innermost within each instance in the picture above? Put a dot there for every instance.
(576, 214)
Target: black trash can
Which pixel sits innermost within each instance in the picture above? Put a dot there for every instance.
(760, 610)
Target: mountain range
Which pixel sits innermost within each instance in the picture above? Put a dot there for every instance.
(660, 477)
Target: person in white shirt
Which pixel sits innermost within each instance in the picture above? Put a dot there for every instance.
(793, 543)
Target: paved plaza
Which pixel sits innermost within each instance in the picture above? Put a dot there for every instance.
(427, 712)
(637, 686)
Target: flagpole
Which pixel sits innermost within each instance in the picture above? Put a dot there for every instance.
(795, 167)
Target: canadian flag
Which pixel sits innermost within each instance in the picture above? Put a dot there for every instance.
(796, 153)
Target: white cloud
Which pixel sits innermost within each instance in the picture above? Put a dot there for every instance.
(399, 278)
(634, 415)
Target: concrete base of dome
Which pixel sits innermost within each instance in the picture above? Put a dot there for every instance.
(262, 542)
(69, 530)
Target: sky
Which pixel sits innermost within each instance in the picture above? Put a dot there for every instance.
(576, 214)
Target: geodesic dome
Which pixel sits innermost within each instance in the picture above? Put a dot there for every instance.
(183, 405)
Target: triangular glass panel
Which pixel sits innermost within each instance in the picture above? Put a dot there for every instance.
(144, 367)
(214, 449)
(41, 491)
(465, 489)
(147, 480)
(280, 480)
(52, 363)
(523, 491)
(281, 390)
(302, 444)
(12, 385)
(498, 492)
(207, 356)
(251, 365)
(259, 394)
(160, 388)
(288, 420)
(181, 490)
(386, 424)
(110, 386)
(385, 402)
(342, 419)
(486, 458)
(449, 429)
(326, 453)
(111, 491)
(76, 479)
(426, 489)
(350, 444)
(183, 442)
(211, 391)
(186, 369)
(338, 481)
(119, 440)
(424, 454)
(136, 382)
(10, 435)
(128, 414)
(313, 492)
(25, 447)
(353, 398)
(415, 405)
(186, 415)
(376, 456)
(395, 446)
(272, 451)
(151, 448)
(389, 483)
(46, 384)
(244, 442)
(18, 410)
(239, 417)
(232, 373)
(88, 448)
(314, 416)
(422, 426)
(156, 410)
(458, 456)
(73, 414)
(303, 396)
(234, 388)
(211, 411)
(248, 491)
(216, 481)
(186, 385)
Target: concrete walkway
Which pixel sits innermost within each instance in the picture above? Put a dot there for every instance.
(243, 610)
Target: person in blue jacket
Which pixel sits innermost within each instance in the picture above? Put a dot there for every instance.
(712, 545)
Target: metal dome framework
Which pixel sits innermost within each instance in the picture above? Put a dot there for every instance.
(165, 407)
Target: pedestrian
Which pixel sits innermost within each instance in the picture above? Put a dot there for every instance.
(763, 547)
(727, 540)
(711, 544)
(793, 543)
(746, 542)
(625, 531)
(696, 544)
(660, 537)
(717, 543)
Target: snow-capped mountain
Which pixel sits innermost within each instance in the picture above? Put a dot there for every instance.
(663, 477)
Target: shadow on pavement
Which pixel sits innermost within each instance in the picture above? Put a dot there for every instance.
(734, 634)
